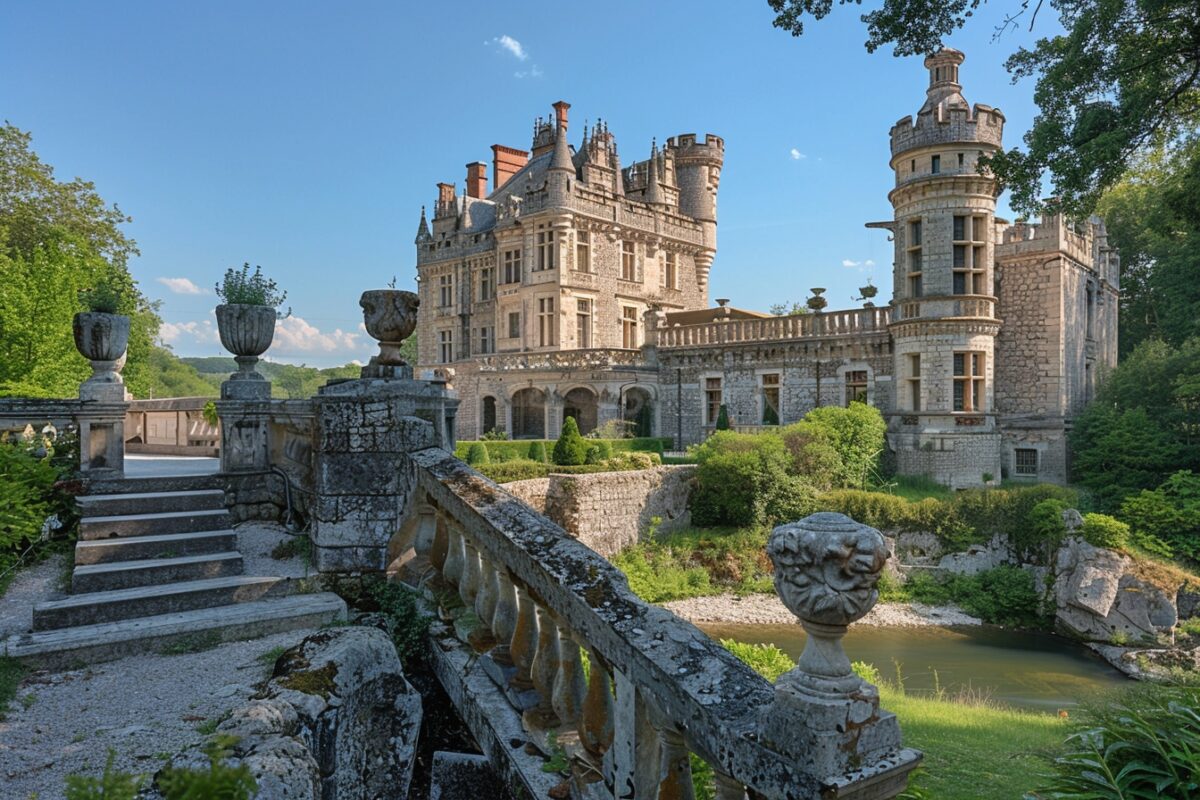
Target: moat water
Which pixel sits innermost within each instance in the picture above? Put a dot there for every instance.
(1025, 670)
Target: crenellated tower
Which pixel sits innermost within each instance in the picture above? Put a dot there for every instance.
(944, 308)
(698, 176)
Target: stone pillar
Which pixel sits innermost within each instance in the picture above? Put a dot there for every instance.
(363, 481)
(829, 719)
(102, 429)
(245, 412)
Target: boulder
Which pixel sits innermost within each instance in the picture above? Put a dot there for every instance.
(1098, 598)
(980, 558)
(917, 547)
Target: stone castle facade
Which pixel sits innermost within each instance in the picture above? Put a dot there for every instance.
(577, 287)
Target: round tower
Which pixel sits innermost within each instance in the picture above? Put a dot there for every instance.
(944, 321)
(698, 174)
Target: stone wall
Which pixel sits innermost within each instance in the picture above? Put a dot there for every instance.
(608, 511)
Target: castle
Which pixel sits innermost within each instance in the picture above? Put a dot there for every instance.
(578, 287)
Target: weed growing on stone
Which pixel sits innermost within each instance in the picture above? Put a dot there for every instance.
(12, 672)
(558, 756)
(112, 785)
(196, 643)
(269, 658)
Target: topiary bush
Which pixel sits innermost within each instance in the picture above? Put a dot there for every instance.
(477, 455)
(571, 448)
(537, 452)
(1102, 530)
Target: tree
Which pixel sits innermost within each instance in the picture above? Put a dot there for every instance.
(722, 418)
(571, 448)
(1125, 77)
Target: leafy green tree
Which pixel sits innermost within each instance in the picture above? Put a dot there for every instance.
(1169, 513)
(571, 448)
(169, 376)
(722, 418)
(857, 433)
(1122, 78)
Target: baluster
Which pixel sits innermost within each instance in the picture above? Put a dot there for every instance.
(596, 724)
(504, 617)
(523, 647)
(727, 788)
(674, 767)
(545, 665)
(568, 690)
(452, 569)
(469, 586)
(439, 549)
(485, 598)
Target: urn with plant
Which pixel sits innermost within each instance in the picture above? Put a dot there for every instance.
(246, 317)
(101, 333)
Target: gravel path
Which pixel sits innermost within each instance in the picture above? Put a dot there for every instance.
(769, 609)
(145, 708)
(30, 586)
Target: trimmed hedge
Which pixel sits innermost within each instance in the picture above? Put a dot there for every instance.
(523, 469)
(522, 449)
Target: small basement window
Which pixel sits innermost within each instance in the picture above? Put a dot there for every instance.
(1025, 461)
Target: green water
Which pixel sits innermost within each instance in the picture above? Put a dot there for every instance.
(1026, 670)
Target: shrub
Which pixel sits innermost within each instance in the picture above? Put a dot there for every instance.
(495, 435)
(605, 448)
(477, 455)
(111, 785)
(537, 452)
(1002, 596)
(209, 412)
(739, 478)
(104, 298)
(516, 470)
(593, 455)
(857, 433)
(252, 289)
(571, 447)
(813, 454)
(1102, 530)
(656, 578)
(1046, 523)
(1169, 514)
(218, 781)
(409, 625)
(722, 418)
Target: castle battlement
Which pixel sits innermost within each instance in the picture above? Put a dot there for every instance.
(711, 148)
(947, 117)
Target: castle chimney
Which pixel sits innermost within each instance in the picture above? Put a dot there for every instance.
(477, 180)
(560, 114)
(506, 162)
(445, 199)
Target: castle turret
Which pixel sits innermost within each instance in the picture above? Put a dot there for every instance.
(944, 322)
(698, 175)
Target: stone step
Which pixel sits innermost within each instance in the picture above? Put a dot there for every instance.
(66, 648)
(147, 601)
(104, 505)
(154, 572)
(171, 545)
(178, 483)
(93, 528)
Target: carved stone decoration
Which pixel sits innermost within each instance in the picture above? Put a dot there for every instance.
(390, 317)
(246, 331)
(826, 569)
(102, 339)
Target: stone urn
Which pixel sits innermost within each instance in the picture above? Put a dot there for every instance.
(390, 317)
(246, 331)
(817, 302)
(102, 339)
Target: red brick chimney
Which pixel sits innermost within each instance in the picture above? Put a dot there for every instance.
(445, 199)
(506, 162)
(477, 179)
(560, 113)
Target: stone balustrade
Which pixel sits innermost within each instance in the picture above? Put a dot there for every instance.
(557, 359)
(170, 426)
(948, 307)
(800, 326)
(654, 688)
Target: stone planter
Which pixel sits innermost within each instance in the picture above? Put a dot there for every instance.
(246, 331)
(390, 317)
(102, 339)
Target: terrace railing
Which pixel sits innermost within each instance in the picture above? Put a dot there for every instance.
(801, 326)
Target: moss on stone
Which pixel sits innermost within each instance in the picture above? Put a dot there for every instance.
(314, 681)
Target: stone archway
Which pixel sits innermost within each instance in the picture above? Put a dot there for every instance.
(487, 415)
(638, 411)
(581, 403)
(529, 414)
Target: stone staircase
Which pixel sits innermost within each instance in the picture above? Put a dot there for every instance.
(157, 565)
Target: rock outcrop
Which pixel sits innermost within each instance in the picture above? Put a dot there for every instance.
(337, 719)
(1099, 598)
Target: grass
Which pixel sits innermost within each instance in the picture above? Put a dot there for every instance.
(973, 747)
(269, 658)
(915, 488)
(12, 672)
(195, 643)
(698, 562)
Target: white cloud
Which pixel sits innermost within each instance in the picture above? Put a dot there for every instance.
(181, 286)
(192, 332)
(797, 155)
(515, 48)
(294, 335)
(861, 266)
(533, 72)
(848, 263)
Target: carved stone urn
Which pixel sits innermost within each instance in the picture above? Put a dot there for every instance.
(390, 317)
(817, 302)
(102, 339)
(246, 331)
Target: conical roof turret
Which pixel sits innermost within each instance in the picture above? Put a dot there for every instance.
(653, 190)
(423, 234)
(561, 160)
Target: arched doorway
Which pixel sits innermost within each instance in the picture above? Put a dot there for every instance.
(638, 411)
(487, 415)
(580, 403)
(529, 414)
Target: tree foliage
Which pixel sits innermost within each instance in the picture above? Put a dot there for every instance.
(1124, 77)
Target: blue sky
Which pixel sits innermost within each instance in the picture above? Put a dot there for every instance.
(305, 136)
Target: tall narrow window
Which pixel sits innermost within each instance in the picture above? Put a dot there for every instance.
(512, 266)
(712, 400)
(968, 381)
(856, 386)
(935, 164)
(545, 248)
(583, 251)
(970, 255)
(583, 323)
(514, 324)
(914, 381)
(960, 160)
(670, 273)
(1090, 312)
(769, 386)
(487, 340)
(487, 284)
(445, 290)
(545, 307)
(629, 328)
(628, 262)
(915, 288)
(446, 346)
